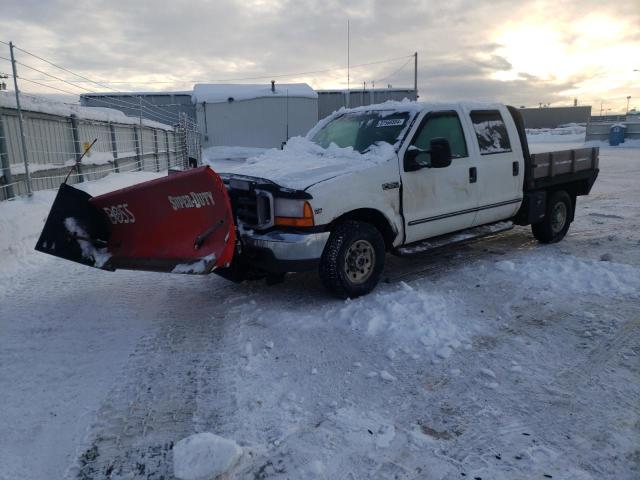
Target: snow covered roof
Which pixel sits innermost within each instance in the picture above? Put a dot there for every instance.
(413, 106)
(136, 94)
(366, 90)
(220, 93)
(46, 105)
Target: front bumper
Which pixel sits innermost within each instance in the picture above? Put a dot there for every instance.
(280, 252)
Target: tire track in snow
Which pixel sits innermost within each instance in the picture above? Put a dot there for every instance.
(156, 402)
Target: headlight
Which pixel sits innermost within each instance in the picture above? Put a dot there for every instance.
(293, 213)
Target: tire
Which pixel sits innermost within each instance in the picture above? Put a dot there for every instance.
(557, 219)
(353, 259)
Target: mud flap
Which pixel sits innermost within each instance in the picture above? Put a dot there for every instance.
(181, 223)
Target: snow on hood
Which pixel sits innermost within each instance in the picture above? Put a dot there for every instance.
(303, 163)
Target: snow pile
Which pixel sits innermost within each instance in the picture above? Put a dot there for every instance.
(420, 322)
(567, 129)
(204, 456)
(46, 105)
(22, 220)
(221, 93)
(213, 154)
(543, 275)
(302, 162)
(570, 132)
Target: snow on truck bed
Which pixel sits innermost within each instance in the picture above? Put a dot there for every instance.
(500, 359)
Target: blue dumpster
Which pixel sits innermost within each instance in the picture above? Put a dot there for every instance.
(616, 134)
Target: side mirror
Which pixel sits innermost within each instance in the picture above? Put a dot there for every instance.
(438, 156)
(440, 153)
(415, 159)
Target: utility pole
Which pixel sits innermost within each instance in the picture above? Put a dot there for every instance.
(415, 73)
(628, 98)
(23, 138)
(348, 62)
(141, 133)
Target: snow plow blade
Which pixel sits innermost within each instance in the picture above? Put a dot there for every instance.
(182, 223)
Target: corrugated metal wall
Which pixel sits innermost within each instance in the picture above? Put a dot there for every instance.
(259, 122)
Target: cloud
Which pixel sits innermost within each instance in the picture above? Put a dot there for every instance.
(181, 42)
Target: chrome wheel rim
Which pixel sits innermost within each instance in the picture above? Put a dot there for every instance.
(359, 261)
(558, 217)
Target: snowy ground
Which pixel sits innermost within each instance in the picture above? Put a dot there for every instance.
(500, 359)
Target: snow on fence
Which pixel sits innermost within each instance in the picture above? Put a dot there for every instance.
(57, 134)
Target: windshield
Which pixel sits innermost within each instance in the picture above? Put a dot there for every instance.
(361, 130)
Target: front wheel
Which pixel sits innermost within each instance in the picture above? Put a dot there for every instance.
(556, 221)
(353, 259)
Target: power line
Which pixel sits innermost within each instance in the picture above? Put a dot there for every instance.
(396, 71)
(72, 73)
(46, 86)
(292, 74)
(121, 103)
(154, 116)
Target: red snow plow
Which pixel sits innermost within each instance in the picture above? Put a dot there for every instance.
(182, 223)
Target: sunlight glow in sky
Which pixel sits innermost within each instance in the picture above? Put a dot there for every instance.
(592, 52)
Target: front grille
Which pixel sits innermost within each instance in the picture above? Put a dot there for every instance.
(252, 207)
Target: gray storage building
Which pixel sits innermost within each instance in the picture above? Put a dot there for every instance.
(553, 117)
(254, 115)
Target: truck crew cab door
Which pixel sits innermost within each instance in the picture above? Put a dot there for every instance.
(436, 201)
(500, 169)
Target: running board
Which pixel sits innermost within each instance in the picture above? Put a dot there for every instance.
(452, 238)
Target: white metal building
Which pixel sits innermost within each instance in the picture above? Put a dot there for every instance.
(254, 115)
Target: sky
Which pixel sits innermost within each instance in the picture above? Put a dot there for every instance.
(516, 52)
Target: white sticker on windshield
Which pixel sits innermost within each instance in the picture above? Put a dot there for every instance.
(391, 122)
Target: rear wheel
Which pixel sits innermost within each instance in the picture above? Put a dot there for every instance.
(353, 259)
(556, 220)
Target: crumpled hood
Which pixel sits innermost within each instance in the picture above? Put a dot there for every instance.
(302, 163)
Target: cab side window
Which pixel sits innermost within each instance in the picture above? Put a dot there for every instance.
(442, 125)
(491, 132)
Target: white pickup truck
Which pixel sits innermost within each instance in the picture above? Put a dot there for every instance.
(398, 177)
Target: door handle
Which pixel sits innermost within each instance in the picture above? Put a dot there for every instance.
(473, 175)
(516, 169)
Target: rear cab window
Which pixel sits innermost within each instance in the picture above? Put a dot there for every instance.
(491, 132)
